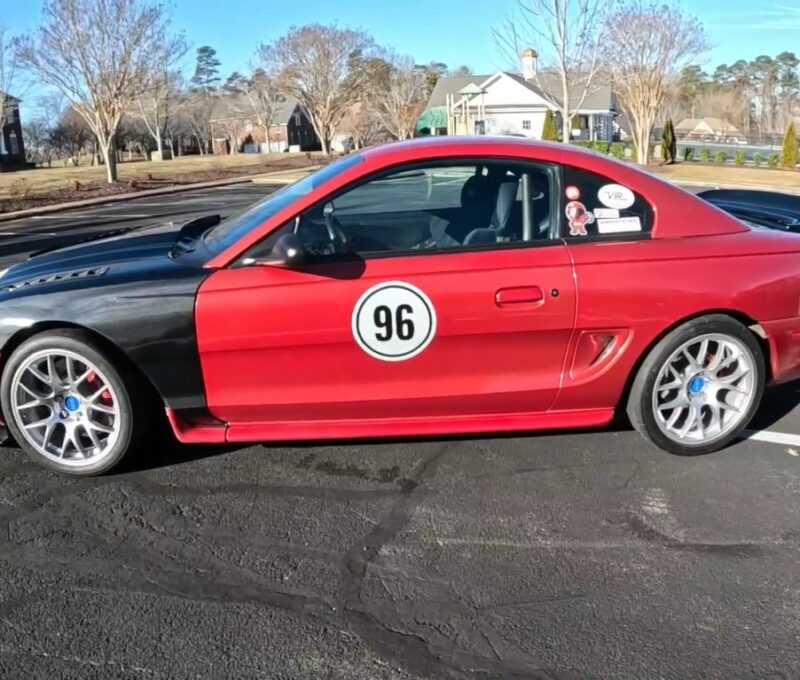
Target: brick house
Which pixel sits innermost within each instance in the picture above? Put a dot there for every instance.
(12, 149)
(290, 130)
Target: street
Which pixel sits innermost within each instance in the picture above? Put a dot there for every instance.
(553, 555)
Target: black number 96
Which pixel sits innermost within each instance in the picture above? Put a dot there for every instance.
(389, 324)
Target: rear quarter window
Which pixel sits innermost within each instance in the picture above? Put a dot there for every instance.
(596, 206)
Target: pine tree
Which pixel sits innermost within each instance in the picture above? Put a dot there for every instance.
(669, 144)
(789, 155)
(549, 132)
(206, 71)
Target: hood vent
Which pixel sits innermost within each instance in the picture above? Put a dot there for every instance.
(54, 278)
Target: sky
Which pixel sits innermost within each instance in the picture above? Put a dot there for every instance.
(454, 32)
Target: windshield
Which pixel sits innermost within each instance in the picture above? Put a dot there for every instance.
(229, 231)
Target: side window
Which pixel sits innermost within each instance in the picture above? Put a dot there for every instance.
(435, 206)
(597, 206)
(421, 189)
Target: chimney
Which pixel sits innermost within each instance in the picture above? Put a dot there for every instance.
(529, 57)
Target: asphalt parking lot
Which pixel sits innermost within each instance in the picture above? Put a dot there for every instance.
(20, 237)
(557, 555)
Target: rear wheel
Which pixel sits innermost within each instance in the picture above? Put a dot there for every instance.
(68, 406)
(699, 387)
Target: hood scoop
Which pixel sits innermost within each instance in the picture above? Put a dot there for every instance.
(53, 278)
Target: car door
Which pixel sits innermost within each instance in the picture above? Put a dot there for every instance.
(405, 327)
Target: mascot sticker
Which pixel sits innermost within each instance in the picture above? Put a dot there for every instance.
(578, 218)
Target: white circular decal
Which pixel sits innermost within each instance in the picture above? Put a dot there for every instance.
(615, 196)
(394, 321)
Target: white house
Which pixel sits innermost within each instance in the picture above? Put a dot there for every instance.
(708, 129)
(511, 104)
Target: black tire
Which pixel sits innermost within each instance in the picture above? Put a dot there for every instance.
(134, 399)
(640, 401)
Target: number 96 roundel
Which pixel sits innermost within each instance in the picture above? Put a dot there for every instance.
(394, 321)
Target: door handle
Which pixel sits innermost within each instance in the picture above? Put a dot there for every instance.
(517, 296)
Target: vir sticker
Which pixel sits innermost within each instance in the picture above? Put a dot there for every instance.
(615, 196)
(394, 321)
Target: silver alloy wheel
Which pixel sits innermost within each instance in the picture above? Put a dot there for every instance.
(704, 389)
(65, 407)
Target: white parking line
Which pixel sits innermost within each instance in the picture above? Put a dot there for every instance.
(64, 216)
(22, 233)
(772, 437)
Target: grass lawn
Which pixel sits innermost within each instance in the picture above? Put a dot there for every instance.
(176, 171)
(730, 174)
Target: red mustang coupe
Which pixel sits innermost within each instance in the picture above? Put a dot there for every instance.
(450, 285)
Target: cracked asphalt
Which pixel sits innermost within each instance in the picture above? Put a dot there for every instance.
(543, 556)
(558, 555)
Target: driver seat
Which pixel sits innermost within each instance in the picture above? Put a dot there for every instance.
(504, 206)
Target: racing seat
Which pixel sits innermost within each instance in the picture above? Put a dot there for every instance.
(476, 207)
(504, 205)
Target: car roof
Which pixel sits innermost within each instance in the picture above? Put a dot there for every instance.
(682, 214)
(481, 144)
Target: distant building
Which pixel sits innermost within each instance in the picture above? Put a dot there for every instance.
(290, 130)
(12, 149)
(507, 103)
(708, 130)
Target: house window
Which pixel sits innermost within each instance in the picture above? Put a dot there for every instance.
(13, 143)
(526, 125)
(297, 119)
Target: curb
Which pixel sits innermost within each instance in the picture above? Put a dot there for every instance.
(723, 185)
(128, 196)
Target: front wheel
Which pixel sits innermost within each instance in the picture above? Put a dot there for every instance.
(699, 387)
(68, 406)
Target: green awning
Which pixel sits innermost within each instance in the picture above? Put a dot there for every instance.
(433, 118)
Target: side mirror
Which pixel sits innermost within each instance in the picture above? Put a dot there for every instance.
(288, 251)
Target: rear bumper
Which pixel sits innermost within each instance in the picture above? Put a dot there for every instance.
(783, 337)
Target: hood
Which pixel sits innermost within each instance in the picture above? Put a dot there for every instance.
(122, 249)
(130, 246)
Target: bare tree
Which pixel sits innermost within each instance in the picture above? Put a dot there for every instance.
(10, 81)
(38, 149)
(642, 70)
(399, 104)
(101, 55)
(726, 104)
(232, 115)
(314, 64)
(155, 107)
(361, 123)
(196, 112)
(568, 34)
(51, 108)
(263, 95)
(71, 137)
